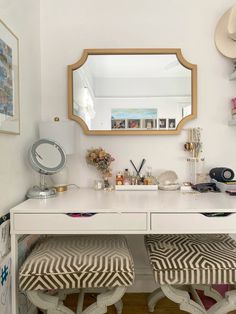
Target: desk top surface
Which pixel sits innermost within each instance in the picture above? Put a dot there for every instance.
(89, 200)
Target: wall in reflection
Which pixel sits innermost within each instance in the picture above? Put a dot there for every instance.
(106, 83)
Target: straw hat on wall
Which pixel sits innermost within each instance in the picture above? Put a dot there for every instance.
(225, 34)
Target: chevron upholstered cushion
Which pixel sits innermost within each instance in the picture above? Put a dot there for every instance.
(67, 262)
(192, 259)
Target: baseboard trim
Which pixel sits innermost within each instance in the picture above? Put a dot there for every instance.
(144, 281)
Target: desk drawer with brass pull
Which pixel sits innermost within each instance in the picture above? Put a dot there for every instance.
(192, 223)
(62, 223)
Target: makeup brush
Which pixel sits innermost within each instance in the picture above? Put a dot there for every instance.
(141, 166)
(134, 167)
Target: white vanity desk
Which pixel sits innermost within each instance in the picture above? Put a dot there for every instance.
(120, 212)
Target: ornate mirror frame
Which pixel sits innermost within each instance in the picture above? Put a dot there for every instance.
(180, 58)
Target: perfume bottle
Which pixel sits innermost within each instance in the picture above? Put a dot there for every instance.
(134, 179)
(141, 179)
(127, 179)
(149, 179)
(119, 178)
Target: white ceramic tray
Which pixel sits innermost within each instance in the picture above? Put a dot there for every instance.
(136, 187)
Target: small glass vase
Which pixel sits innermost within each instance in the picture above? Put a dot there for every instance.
(107, 186)
(106, 183)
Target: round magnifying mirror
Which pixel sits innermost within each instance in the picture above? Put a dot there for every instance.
(46, 157)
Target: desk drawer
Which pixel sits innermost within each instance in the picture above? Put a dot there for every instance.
(52, 223)
(192, 223)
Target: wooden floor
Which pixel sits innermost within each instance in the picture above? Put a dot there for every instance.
(134, 303)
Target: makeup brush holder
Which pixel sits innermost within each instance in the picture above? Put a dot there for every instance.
(196, 168)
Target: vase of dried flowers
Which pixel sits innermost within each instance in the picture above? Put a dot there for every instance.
(102, 160)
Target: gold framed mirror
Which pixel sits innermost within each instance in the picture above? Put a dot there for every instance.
(132, 91)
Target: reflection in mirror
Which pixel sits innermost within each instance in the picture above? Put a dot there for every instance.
(48, 155)
(144, 92)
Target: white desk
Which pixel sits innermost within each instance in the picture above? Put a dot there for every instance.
(120, 212)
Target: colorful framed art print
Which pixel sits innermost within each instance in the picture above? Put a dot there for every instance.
(9, 81)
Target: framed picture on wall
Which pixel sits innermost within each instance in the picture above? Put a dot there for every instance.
(9, 81)
(162, 123)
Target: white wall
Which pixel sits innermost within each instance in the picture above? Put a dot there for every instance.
(141, 87)
(69, 28)
(22, 17)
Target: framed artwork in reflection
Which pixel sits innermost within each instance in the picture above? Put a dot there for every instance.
(162, 123)
(171, 123)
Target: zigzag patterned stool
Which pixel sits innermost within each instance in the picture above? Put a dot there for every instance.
(191, 262)
(77, 262)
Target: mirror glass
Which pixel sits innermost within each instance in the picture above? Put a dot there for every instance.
(47, 157)
(145, 92)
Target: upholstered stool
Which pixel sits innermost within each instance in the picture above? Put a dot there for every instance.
(68, 263)
(184, 263)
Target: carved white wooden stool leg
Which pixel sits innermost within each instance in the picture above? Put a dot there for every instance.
(225, 305)
(209, 291)
(48, 303)
(119, 307)
(112, 296)
(153, 298)
(53, 303)
(157, 295)
(80, 303)
(183, 298)
(104, 300)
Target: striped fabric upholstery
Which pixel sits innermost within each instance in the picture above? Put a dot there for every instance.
(78, 262)
(192, 259)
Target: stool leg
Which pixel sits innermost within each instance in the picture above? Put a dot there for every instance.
(119, 307)
(209, 292)
(158, 294)
(153, 298)
(225, 305)
(183, 298)
(104, 300)
(80, 303)
(51, 304)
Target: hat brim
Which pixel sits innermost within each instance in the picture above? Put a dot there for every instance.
(225, 44)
